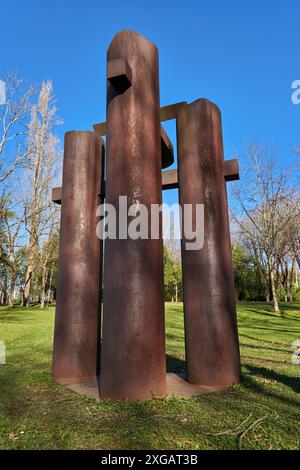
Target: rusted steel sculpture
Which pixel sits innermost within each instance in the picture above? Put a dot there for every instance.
(137, 148)
(133, 346)
(212, 351)
(77, 323)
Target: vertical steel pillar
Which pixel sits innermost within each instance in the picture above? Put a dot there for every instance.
(212, 349)
(77, 323)
(133, 346)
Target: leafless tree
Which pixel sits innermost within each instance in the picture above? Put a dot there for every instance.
(14, 117)
(266, 211)
(43, 157)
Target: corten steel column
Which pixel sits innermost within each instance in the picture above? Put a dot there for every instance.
(133, 346)
(77, 323)
(212, 350)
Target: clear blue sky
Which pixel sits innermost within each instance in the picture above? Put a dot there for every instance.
(243, 55)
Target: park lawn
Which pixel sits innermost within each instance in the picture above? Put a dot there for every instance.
(261, 413)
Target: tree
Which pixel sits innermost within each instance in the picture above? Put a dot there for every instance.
(14, 116)
(12, 242)
(172, 275)
(48, 260)
(15, 254)
(43, 155)
(247, 278)
(267, 210)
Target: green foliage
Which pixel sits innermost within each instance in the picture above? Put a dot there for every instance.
(246, 276)
(172, 278)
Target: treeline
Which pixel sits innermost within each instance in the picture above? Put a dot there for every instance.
(172, 272)
(253, 283)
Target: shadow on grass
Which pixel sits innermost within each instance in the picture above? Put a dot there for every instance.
(267, 317)
(175, 365)
(263, 340)
(178, 366)
(264, 325)
(266, 311)
(292, 382)
(266, 348)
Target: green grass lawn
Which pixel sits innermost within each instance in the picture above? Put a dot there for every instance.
(262, 413)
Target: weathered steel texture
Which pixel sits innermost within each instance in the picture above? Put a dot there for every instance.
(56, 196)
(166, 112)
(133, 344)
(231, 170)
(167, 151)
(100, 128)
(119, 74)
(170, 112)
(169, 179)
(212, 350)
(77, 323)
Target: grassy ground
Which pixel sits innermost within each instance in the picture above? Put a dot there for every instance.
(262, 413)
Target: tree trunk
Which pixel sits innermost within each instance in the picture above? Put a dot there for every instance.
(43, 289)
(294, 273)
(274, 293)
(11, 297)
(289, 291)
(27, 287)
(50, 284)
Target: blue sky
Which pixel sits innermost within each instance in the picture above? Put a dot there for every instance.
(243, 55)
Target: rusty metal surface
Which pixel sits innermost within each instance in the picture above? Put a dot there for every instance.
(169, 179)
(133, 344)
(231, 170)
(167, 151)
(119, 74)
(166, 112)
(77, 323)
(100, 128)
(56, 195)
(176, 386)
(212, 349)
(170, 112)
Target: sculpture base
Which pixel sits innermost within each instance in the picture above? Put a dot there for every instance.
(176, 386)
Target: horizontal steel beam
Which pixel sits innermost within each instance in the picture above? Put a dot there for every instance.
(169, 179)
(166, 113)
(170, 112)
(167, 151)
(231, 170)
